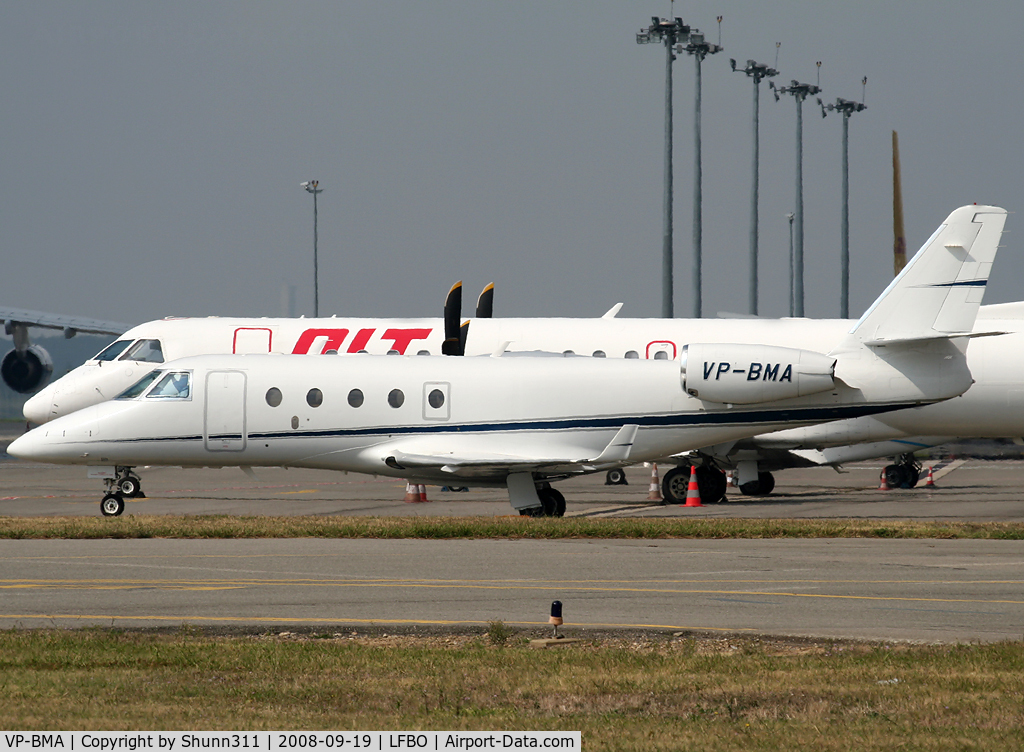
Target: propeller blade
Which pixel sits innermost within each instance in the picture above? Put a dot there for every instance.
(452, 344)
(485, 303)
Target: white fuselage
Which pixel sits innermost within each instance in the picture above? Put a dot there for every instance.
(993, 407)
(474, 418)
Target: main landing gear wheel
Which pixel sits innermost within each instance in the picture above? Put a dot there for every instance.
(129, 484)
(616, 477)
(552, 502)
(902, 476)
(763, 486)
(129, 487)
(711, 484)
(905, 473)
(112, 505)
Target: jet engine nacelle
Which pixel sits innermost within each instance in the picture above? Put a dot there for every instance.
(28, 371)
(745, 374)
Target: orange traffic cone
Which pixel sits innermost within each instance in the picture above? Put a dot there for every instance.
(692, 492)
(423, 493)
(883, 485)
(930, 482)
(655, 492)
(412, 493)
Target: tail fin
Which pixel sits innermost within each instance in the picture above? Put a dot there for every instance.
(938, 293)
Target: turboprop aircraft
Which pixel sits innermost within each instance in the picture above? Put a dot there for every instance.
(27, 368)
(525, 422)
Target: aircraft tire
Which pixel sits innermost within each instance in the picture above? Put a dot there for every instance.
(552, 502)
(616, 477)
(763, 486)
(559, 503)
(674, 484)
(129, 487)
(896, 476)
(711, 483)
(112, 505)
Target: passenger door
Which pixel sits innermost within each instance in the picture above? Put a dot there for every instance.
(224, 426)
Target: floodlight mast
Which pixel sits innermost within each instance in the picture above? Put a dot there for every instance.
(792, 298)
(756, 71)
(799, 92)
(846, 108)
(311, 187)
(700, 49)
(667, 32)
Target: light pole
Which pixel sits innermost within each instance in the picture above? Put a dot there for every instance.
(756, 71)
(792, 299)
(699, 49)
(799, 92)
(311, 187)
(668, 32)
(846, 107)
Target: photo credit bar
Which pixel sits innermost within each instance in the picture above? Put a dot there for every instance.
(283, 741)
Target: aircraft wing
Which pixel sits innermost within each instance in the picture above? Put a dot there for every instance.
(69, 324)
(480, 461)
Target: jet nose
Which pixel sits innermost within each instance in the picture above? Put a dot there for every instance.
(37, 408)
(28, 446)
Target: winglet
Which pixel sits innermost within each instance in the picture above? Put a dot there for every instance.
(938, 293)
(613, 311)
(619, 447)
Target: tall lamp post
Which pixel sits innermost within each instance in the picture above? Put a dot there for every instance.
(311, 187)
(792, 299)
(667, 32)
(700, 49)
(845, 107)
(799, 92)
(756, 71)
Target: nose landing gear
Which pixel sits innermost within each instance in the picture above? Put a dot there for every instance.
(125, 485)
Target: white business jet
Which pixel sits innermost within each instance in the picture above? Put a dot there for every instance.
(525, 422)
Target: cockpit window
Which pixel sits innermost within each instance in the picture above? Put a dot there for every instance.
(139, 386)
(145, 351)
(112, 351)
(174, 385)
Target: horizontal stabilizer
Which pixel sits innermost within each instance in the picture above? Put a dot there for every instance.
(928, 338)
(938, 293)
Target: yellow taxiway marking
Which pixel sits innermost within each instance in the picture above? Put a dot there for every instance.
(478, 585)
(306, 490)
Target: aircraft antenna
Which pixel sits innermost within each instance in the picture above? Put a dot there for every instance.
(845, 107)
(799, 92)
(756, 72)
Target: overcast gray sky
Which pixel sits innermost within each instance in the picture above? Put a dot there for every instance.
(152, 152)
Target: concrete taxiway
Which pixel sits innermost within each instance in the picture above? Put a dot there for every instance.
(932, 590)
(927, 590)
(975, 490)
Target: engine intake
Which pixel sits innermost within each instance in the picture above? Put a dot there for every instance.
(746, 374)
(28, 371)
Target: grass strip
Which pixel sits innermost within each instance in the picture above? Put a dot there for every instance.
(451, 528)
(622, 693)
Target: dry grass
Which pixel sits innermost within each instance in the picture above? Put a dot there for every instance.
(159, 526)
(623, 693)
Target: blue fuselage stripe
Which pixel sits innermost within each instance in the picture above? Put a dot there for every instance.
(681, 420)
